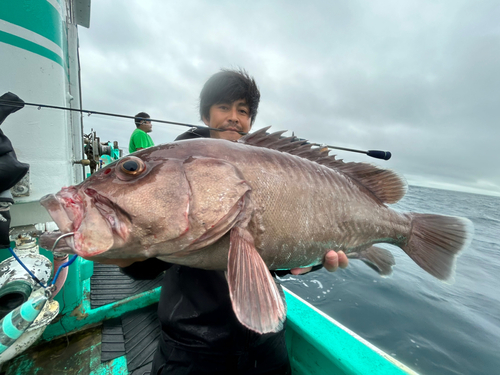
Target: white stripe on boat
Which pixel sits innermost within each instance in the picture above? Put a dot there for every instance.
(31, 36)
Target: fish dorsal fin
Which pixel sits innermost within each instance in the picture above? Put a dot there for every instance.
(385, 184)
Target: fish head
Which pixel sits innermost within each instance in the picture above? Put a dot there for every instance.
(135, 203)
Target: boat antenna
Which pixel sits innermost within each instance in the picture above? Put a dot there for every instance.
(385, 155)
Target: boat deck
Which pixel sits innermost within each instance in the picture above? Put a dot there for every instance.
(317, 344)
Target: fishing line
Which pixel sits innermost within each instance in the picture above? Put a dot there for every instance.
(68, 263)
(377, 154)
(26, 268)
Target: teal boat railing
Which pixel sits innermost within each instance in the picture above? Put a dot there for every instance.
(319, 345)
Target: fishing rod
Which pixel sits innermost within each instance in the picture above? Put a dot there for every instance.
(40, 106)
(377, 154)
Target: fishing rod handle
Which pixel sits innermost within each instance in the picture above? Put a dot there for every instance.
(385, 155)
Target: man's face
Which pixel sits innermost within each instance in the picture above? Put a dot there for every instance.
(235, 117)
(146, 126)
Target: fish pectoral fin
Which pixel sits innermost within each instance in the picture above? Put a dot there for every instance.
(255, 297)
(381, 260)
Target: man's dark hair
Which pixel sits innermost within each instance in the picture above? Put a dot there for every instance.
(138, 120)
(228, 86)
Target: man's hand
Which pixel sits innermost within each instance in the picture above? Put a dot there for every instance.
(331, 262)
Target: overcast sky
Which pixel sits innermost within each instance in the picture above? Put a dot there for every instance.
(418, 78)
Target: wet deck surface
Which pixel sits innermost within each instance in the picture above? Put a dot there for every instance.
(132, 337)
(76, 354)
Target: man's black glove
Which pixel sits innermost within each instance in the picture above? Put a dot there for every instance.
(11, 169)
(9, 103)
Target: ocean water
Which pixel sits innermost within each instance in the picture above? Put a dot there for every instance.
(432, 327)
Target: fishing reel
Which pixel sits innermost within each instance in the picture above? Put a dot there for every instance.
(99, 153)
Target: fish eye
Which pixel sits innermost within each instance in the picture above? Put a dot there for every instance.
(132, 166)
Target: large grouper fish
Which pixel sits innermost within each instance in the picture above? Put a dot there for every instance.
(264, 202)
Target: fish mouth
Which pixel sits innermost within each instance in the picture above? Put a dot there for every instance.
(60, 216)
(98, 224)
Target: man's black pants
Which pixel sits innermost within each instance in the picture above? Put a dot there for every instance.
(269, 359)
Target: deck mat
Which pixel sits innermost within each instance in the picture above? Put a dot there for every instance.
(136, 333)
(113, 343)
(108, 284)
(141, 330)
(144, 370)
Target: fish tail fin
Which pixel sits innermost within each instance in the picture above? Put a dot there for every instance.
(436, 240)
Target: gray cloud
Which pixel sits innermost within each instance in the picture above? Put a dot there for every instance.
(420, 79)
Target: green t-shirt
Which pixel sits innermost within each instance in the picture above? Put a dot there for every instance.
(139, 139)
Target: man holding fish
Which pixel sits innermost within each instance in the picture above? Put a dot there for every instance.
(200, 332)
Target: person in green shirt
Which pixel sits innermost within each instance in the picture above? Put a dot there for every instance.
(140, 138)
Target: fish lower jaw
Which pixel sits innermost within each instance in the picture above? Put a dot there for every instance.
(83, 250)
